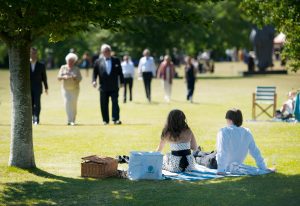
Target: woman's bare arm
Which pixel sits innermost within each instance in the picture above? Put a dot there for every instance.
(161, 145)
(194, 145)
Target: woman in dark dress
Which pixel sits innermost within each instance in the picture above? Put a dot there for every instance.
(190, 78)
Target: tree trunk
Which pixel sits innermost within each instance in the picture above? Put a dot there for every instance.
(21, 147)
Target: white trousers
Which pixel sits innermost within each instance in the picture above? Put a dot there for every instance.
(168, 89)
(70, 100)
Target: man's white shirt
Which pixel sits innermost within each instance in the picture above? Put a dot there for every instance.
(147, 64)
(233, 145)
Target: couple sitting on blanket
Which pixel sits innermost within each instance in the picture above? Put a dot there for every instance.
(233, 144)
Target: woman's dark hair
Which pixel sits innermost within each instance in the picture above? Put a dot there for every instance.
(176, 123)
(235, 115)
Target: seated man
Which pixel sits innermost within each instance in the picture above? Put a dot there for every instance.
(234, 142)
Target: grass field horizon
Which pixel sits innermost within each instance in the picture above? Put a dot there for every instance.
(58, 148)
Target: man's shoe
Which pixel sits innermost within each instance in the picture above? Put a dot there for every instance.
(105, 123)
(118, 122)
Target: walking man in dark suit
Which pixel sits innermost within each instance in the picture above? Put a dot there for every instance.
(110, 74)
(37, 77)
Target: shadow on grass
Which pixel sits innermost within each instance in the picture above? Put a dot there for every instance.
(185, 102)
(220, 77)
(148, 103)
(97, 125)
(112, 124)
(195, 103)
(230, 77)
(5, 125)
(273, 189)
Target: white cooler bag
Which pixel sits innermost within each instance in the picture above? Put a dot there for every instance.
(145, 166)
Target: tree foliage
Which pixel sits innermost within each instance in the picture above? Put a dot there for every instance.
(57, 19)
(210, 25)
(285, 16)
(214, 26)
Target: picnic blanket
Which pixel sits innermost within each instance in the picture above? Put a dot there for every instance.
(290, 120)
(204, 173)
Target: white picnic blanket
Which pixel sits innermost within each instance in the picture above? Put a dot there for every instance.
(204, 173)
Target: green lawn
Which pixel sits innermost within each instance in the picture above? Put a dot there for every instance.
(58, 148)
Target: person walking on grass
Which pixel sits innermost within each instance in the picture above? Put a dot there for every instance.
(109, 71)
(128, 73)
(38, 76)
(190, 78)
(166, 72)
(147, 70)
(70, 76)
(86, 63)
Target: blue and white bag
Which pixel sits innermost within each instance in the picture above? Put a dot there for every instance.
(145, 166)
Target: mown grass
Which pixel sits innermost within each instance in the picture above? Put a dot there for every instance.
(58, 148)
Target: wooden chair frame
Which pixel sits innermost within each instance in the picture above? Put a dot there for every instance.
(264, 110)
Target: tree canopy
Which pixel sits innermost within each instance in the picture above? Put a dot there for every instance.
(56, 19)
(285, 16)
(213, 26)
(208, 25)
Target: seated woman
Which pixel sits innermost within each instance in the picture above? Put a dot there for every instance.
(234, 142)
(287, 109)
(181, 139)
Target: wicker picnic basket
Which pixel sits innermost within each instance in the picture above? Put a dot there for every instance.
(98, 167)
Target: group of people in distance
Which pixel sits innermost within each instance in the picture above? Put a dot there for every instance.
(233, 144)
(166, 72)
(111, 75)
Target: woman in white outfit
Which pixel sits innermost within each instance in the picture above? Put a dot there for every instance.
(166, 71)
(234, 142)
(70, 76)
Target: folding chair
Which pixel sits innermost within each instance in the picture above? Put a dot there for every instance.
(264, 95)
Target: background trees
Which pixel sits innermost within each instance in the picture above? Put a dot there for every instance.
(285, 16)
(211, 25)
